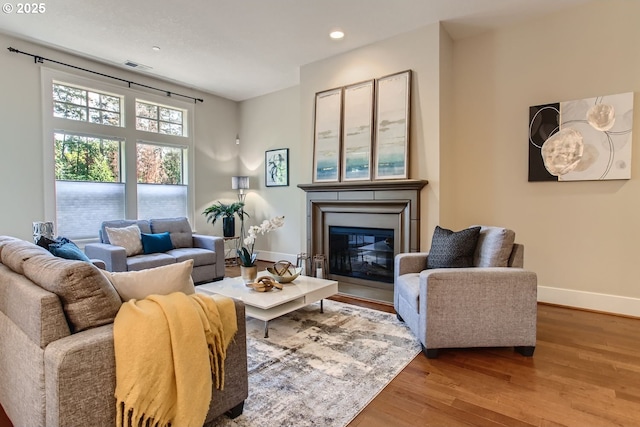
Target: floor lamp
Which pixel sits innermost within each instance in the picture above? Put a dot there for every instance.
(240, 183)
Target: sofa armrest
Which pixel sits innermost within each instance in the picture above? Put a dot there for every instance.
(114, 257)
(99, 263)
(470, 307)
(80, 379)
(410, 262)
(215, 244)
(236, 383)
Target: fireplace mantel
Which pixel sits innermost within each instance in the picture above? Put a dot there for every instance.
(395, 184)
(389, 204)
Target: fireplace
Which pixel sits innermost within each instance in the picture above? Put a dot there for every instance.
(360, 227)
(361, 253)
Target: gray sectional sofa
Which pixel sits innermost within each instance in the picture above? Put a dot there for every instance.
(207, 252)
(57, 360)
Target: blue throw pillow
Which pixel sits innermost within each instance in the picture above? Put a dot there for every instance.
(68, 250)
(160, 242)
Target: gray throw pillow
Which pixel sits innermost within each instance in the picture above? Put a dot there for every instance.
(453, 249)
(494, 247)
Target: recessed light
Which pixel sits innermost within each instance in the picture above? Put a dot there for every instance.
(156, 48)
(336, 34)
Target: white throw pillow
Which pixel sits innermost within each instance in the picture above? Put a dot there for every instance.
(494, 247)
(127, 237)
(153, 281)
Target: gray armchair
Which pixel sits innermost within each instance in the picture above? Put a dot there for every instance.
(490, 304)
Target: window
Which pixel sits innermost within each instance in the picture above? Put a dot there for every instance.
(161, 189)
(99, 152)
(85, 105)
(159, 119)
(87, 158)
(88, 184)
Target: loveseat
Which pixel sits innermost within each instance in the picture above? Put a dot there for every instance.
(57, 362)
(207, 252)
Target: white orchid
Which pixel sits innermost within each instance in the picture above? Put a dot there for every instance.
(247, 256)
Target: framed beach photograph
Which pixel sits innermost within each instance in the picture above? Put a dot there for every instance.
(326, 144)
(357, 131)
(276, 167)
(392, 126)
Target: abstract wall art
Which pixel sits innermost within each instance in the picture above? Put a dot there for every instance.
(328, 122)
(357, 131)
(276, 167)
(584, 140)
(392, 126)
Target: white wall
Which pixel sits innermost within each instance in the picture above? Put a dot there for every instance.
(272, 122)
(580, 237)
(21, 164)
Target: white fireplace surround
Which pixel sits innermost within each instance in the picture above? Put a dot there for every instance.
(389, 204)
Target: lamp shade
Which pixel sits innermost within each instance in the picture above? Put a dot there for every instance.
(239, 182)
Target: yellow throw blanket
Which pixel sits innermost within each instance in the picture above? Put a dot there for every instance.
(167, 349)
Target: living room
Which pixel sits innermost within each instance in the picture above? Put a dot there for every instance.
(468, 138)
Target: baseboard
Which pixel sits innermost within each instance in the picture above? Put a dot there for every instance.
(269, 256)
(590, 301)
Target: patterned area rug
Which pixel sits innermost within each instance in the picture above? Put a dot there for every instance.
(321, 369)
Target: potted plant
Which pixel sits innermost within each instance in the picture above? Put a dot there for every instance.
(227, 212)
(248, 268)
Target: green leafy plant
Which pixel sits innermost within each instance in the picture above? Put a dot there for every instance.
(221, 210)
(247, 259)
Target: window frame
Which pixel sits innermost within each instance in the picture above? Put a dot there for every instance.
(87, 108)
(158, 120)
(127, 133)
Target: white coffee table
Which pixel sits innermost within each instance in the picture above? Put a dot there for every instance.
(266, 306)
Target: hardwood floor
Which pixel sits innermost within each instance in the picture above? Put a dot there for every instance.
(585, 372)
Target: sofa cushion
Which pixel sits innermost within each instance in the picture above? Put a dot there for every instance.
(88, 298)
(198, 255)
(451, 249)
(494, 247)
(18, 251)
(160, 242)
(160, 280)
(127, 237)
(179, 228)
(140, 262)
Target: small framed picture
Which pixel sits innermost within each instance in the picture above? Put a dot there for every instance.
(276, 167)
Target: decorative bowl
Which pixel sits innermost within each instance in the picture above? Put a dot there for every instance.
(291, 275)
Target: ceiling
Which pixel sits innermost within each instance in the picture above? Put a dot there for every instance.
(240, 49)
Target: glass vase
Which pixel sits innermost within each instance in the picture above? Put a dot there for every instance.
(249, 274)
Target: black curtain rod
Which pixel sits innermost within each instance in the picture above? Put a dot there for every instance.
(40, 59)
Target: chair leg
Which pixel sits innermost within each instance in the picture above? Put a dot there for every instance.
(526, 350)
(236, 411)
(399, 317)
(432, 353)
